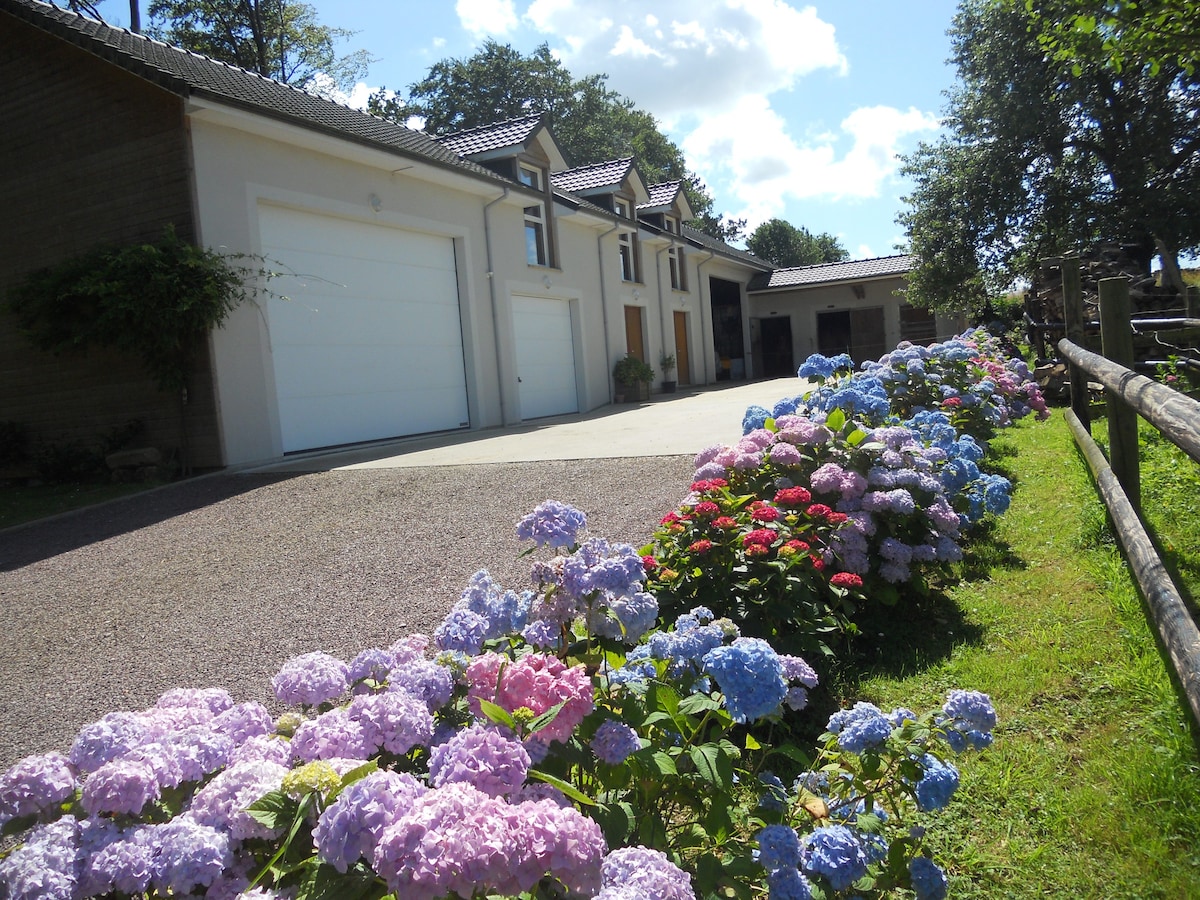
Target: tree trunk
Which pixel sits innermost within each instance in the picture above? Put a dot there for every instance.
(1170, 266)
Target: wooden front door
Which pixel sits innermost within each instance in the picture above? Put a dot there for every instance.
(683, 367)
(634, 343)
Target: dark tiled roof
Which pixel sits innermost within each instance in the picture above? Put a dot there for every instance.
(497, 136)
(597, 175)
(661, 194)
(708, 242)
(188, 74)
(827, 273)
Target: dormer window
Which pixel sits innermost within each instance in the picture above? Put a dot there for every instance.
(627, 246)
(535, 219)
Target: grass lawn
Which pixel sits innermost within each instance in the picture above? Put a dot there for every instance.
(24, 503)
(1092, 788)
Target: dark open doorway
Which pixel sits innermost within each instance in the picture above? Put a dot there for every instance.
(728, 343)
(776, 337)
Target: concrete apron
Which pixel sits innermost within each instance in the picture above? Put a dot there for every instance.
(679, 424)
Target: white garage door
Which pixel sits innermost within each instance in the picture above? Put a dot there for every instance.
(365, 331)
(545, 356)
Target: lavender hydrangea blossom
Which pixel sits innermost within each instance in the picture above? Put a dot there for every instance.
(120, 786)
(45, 866)
(222, 802)
(395, 721)
(311, 679)
(552, 524)
(646, 870)
(483, 758)
(35, 785)
(188, 855)
(349, 828)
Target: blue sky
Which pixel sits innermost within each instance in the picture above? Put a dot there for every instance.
(784, 109)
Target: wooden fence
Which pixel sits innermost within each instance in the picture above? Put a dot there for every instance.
(1129, 396)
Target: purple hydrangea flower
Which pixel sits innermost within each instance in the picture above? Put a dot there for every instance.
(624, 618)
(112, 736)
(311, 679)
(188, 855)
(201, 750)
(602, 567)
(349, 828)
(463, 630)
(46, 865)
(859, 728)
(614, 741)
(222, 802)
(428, 681)
(481, 757)
(214, 700)
(265, 747)
(648, 871)
(372, 664)
(834, 853)
(552, 524)
(116, 861)
(120, 786)
(750, 675)
(395, 721)
(332, 734)
(244, 721)
(35, 785)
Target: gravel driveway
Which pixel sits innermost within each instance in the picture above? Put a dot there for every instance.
(217, 581)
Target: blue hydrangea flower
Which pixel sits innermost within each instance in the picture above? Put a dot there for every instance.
(787, 884)
(463, 630)
(833, 852)
(614, 741)
(755, 418)
(45, 866)
(552, 524)
(624, 618)
(750, 675)
(859, 728)
(779, 847)
(928, 880)
(969, 718)
(349, 828)
(430, 682)
(937, 785)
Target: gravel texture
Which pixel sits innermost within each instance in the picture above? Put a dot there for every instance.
(217, 581)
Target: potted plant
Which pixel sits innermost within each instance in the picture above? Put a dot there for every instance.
(668, 366)
(630, 374)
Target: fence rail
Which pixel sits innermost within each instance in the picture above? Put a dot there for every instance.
(1128, 397)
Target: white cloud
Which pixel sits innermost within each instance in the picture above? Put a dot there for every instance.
(691, 58)
(750, 154)
(482, 17)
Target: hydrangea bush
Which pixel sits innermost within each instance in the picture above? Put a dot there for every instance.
(552, 742)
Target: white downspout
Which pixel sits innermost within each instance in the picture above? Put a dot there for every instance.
(608, 361)
(491, 277)
(703, 331)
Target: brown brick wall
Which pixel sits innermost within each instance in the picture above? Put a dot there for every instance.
(89, 155)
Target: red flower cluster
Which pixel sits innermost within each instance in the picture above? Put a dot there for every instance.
(724, 522)
(764, 537)
(952, 401)
(793, 496)
(764, 513)
(706, 509)
(821, 511)
(701, 546)
(709, 484)
(846, 579)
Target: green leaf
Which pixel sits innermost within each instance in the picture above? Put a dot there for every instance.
(696, 704)
(835, 420)
(327, 883)
(497, 714)
(711, 764)
(565, 786)
(274, 810)
(547, 717)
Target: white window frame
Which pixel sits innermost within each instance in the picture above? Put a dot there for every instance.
(537, 251)
(627, 247)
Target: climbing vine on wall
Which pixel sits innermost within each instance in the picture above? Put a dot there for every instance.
(154, 301)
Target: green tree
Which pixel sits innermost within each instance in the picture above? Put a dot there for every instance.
(590, 121)
(280, 39)
(785, 245)
(1044, 156)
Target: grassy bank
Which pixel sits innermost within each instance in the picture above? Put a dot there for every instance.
(1092, 788)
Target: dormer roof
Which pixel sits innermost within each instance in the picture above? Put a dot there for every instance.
(604, 178)
(505, 139)
(833, 273)
(667, 197)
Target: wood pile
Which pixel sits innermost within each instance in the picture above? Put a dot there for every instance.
(1044, 303)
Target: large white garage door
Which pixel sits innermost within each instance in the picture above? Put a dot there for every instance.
(545, 356)
(365, 330)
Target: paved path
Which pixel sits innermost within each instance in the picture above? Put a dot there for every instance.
(669, 425)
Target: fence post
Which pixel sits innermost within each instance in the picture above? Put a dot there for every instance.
(1073, 317)
(1116, 339)
(1192, 302)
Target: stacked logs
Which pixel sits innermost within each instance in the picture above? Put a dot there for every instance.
(1044, 303)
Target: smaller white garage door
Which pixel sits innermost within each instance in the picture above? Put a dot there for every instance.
(545, 356)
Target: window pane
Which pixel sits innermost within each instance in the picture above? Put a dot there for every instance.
(535, 247)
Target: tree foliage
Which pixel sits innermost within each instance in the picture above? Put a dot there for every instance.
(785, 245)
(280, 39)
(591, 122)
(1045, 155)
